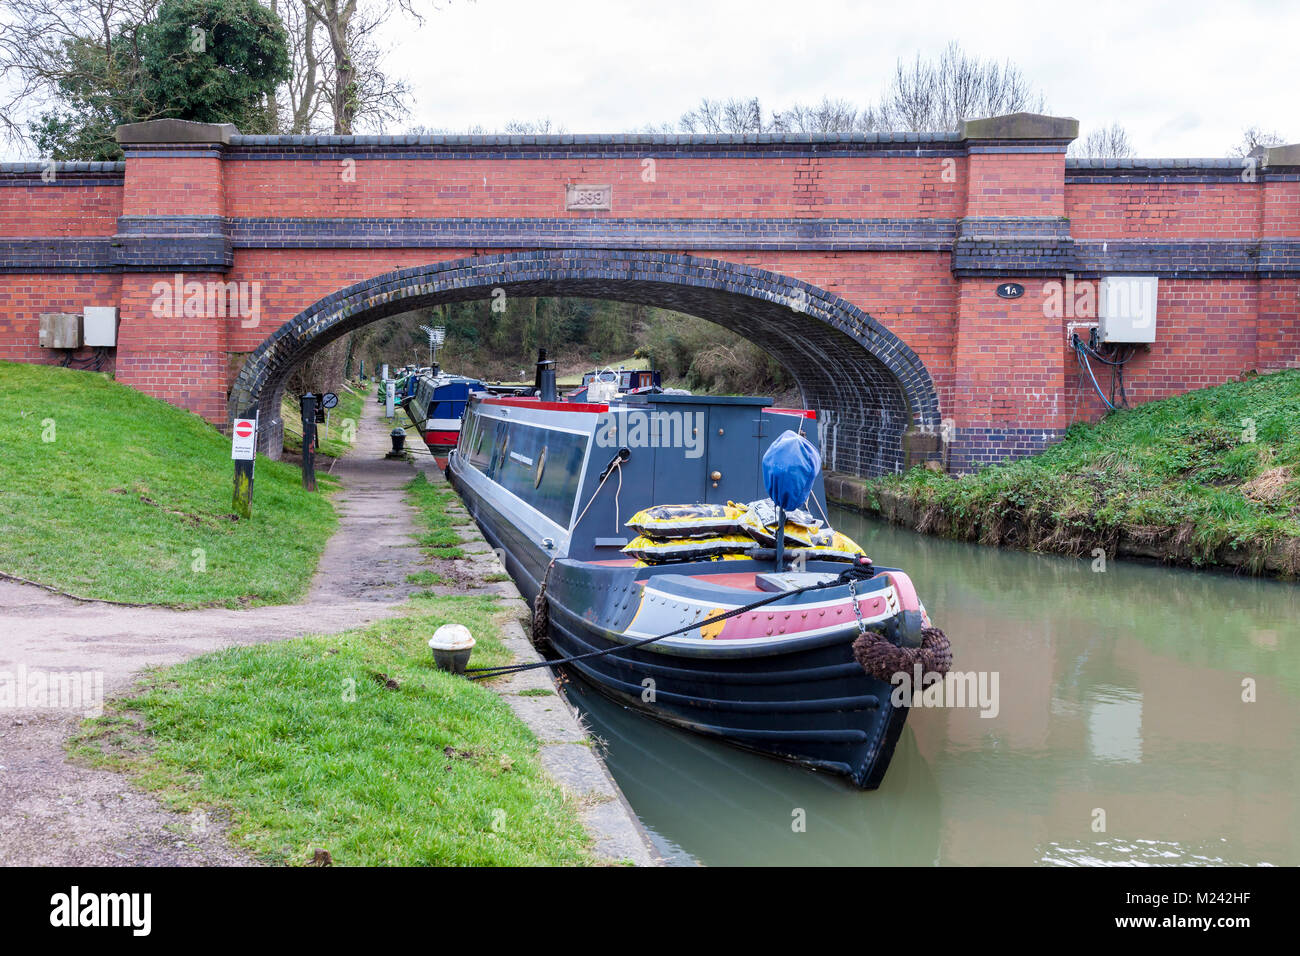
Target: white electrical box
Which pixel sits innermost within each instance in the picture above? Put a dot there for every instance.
(99, 325)
(60, 330)
(1126, 308)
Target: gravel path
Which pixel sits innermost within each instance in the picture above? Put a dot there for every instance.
(55, 813)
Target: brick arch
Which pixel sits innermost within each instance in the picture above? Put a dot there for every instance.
(867, 385)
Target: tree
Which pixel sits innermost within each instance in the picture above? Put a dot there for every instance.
(939, 95)
(355, 85)
(78, 61)
(100, 88)
(828, 116)
(733, 115)
(215, 61)
(1110, 142)
(96, 64)
(1254, 140)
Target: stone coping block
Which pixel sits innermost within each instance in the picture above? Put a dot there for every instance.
(176, 131)
(1021, 126)
(1282, 155)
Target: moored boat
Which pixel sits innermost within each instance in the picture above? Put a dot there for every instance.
(765, 657)
(621, 381)
(435, 402)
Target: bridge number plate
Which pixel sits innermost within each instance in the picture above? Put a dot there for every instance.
(1011, 290)
(588, 197)
(243, 442)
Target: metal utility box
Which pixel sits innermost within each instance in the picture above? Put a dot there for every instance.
(60, 330)
(100, 326)
(1126, 308)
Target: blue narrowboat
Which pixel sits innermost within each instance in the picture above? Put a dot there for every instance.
(552, 484)
(435, 402)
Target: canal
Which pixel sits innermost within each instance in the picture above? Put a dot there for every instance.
(1121, 734)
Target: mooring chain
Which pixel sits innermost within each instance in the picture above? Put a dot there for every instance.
(857, 611)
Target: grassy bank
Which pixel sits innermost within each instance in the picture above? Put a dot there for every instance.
(337, 437)
(1207, 478)
(108, 493)
(353, 743)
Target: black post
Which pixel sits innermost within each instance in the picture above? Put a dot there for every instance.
(242, 503)
(780, 540)
(308, 406)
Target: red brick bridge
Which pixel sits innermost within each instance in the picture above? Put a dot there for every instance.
(868, 264)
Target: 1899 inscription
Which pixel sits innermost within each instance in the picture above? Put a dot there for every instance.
(588, 197)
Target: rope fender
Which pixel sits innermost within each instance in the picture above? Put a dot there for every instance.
(540, 630)
(882, 659)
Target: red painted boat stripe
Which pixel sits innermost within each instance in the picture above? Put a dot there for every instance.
(583, 407)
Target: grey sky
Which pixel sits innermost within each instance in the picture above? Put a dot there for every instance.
(1184, 78)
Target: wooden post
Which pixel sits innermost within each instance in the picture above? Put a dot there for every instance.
(242, 503)
(308, 406)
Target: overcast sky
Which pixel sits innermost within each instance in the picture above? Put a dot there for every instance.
(1185, 78)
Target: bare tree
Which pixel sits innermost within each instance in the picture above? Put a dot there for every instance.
(828, 116)
(939, 95)
(302, 105)
(1254, 140)
(50, 45)
(732, 115)
(1109, 142)
(538, 127)
(357, 87)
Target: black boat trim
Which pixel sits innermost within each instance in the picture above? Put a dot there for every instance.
(821, 705)
(829, 672)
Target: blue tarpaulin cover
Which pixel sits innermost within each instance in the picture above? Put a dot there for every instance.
(790, 466)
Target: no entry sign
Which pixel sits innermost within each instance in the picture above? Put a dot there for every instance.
(243, 443)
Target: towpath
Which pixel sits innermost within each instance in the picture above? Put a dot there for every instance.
(53, 812)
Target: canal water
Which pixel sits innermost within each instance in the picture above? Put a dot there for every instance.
(1121, 734)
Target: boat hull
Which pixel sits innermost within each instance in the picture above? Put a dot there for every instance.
(807, 707)
(805, 701)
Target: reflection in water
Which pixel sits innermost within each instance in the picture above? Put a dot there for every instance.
(1121, 706)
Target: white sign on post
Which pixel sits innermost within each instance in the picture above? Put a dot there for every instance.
(243, 441)
(391, 396)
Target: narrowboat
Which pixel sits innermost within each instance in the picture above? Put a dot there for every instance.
(435, 402)
(552, 484)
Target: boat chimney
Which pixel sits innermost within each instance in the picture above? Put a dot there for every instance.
(545, 379)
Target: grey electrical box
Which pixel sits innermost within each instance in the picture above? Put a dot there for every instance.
(100, 325)
(60, 330)
(1126, 308)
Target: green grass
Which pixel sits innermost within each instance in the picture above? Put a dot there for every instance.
(1214, 468)
(428, 578)
(441, 540)
(301, 745)
(340, 434)
(108, 493)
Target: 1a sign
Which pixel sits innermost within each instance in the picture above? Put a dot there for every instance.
(243, 441)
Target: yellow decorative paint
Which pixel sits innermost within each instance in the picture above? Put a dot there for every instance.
(713, 629)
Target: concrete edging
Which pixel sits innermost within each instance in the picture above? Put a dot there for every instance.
(568, 752)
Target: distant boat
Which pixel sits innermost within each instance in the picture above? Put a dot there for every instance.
(623, 381)
(551, 482)
(435, 402)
